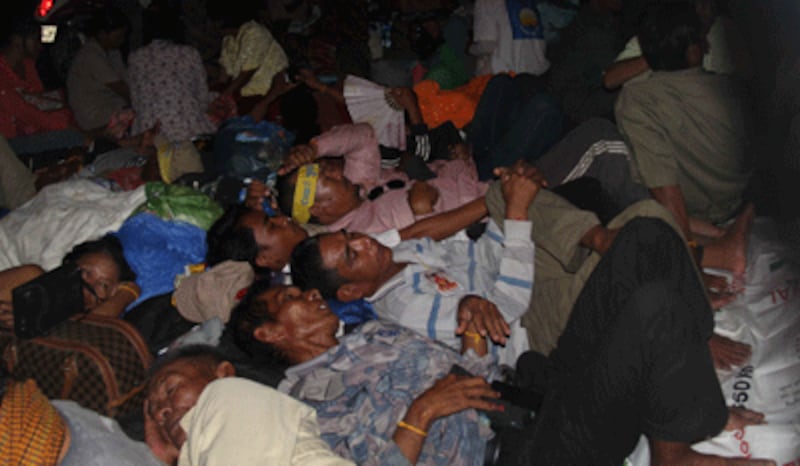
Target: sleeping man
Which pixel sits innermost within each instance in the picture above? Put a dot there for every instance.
(421, 284)
(354, 192)
(633, 360)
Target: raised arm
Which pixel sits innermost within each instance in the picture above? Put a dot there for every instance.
(446, 224)
(355, 142)
(620, 72)
(511, 291)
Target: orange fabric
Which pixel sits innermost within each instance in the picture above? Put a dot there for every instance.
(31, 430)
(456, 105)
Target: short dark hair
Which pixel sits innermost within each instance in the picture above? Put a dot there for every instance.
(666, 33)
(285, 188)
(309, 271)
(233, 15)
(206, 356)
(109, 245)
(161, 21)
(299, 111)
(246, 317)
(227, 240)
(16, 21)
(106, 19)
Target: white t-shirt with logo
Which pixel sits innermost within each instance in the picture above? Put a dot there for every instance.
(515, 30)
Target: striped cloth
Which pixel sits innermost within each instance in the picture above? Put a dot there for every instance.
(31, 430)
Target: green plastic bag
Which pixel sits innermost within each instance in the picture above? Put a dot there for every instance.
(182, 203)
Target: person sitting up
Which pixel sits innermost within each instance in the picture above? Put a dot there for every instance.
(668, 391)
(96, 84)
(31, 119)
(689, 135)
(168, 81)
(509, 36)
(108, 281)
(250, 55)
(197, 412)
(422, 284)
(726, 52)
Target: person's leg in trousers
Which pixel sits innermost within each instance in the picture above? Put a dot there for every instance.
(632, 360)
(493, 116)
(536, 127)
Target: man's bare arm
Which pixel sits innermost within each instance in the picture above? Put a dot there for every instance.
(448, 223)
(622, 71)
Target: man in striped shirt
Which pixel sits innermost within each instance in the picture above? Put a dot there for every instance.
(422, 284)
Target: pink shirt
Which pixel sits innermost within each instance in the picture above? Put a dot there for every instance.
(457, 183)
(362, 159)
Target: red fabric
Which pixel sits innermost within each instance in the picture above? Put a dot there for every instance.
(128, 178)
(18, 117)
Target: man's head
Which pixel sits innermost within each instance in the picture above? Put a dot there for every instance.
(671, 37)
(342, 265)
(109, 26)
(606, 6)
(333, 194)
(19, 29)
(283, 323)
(175, 384)
(250, 235)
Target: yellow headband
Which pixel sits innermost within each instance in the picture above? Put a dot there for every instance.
(304, 192)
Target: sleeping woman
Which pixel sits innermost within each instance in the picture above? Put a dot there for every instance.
(108, 282)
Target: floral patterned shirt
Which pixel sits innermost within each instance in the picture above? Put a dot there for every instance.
(168, 85)
(364, 386)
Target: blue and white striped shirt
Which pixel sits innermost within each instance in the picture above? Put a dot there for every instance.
(496, 267)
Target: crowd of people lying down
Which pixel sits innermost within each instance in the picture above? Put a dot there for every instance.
(532, 218)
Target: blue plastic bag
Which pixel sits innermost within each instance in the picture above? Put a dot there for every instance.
(158, 250)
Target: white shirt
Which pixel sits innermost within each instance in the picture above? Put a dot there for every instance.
(493, 30)
(240, 422)
(425, 295)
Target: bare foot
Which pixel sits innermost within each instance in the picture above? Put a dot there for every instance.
(727, 353)
(730, 251)
(720, 292)
(739, 418)
(705, 228)
(149, 136)
(676, 453)
(599, 238)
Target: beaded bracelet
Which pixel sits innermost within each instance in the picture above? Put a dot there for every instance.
(416, 430)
